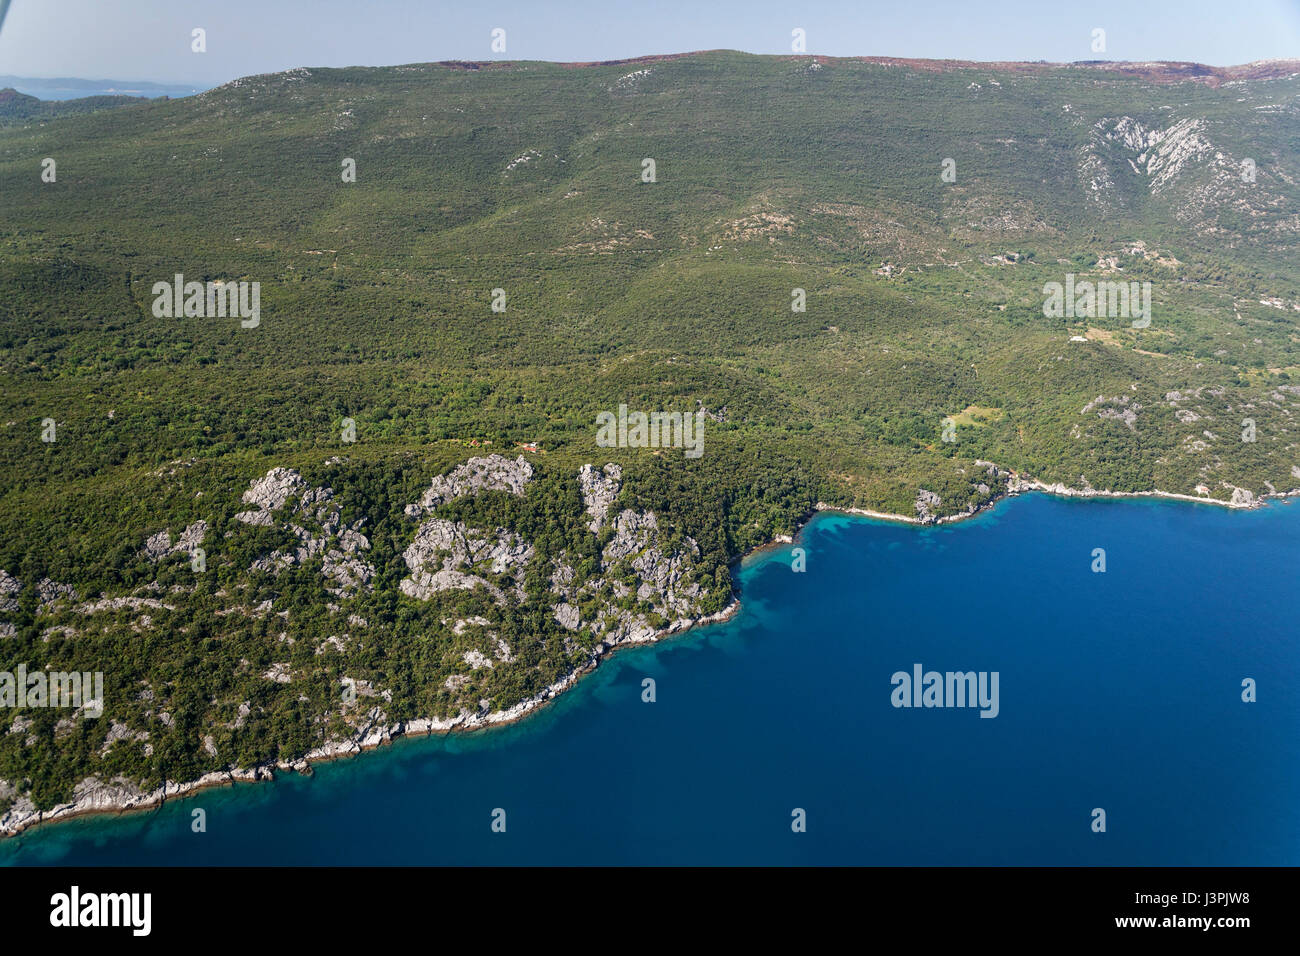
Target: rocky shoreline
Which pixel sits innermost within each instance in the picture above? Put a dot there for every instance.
(116, 796)
(1241, 500)
(119, 795)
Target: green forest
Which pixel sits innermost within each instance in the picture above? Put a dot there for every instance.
(860, 320)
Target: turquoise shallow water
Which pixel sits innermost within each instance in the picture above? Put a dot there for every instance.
(1119, 690)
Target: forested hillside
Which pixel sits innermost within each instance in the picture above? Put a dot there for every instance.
(838, 265)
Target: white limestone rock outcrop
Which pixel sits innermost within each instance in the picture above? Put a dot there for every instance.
(269, 493)
(1115, 408)
(50, 592)
(9, 588)
(600, 490)
(317, 521)
(925, 504)
(446, 555)
(568, 616)
(663, 571)
(160, 545)
(490, 473)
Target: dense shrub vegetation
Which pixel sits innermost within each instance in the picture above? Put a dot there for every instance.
(923, 304)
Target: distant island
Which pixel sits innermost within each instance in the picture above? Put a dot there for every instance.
(67, 88)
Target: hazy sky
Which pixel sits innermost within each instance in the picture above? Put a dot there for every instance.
(150, 39)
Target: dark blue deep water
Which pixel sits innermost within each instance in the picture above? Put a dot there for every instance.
(1119, 690)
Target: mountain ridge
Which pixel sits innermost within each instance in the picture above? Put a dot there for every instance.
(841, 269)
(1172, 70)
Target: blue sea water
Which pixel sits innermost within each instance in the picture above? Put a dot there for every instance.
(1118, 690)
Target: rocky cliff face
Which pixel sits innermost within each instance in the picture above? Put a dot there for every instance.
(599, 491)
(444, 556)
(316, 521)
(160, 546)
(450, 556)
(493, 472)
(1125, 160)
(636, 561)
(635, 580)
